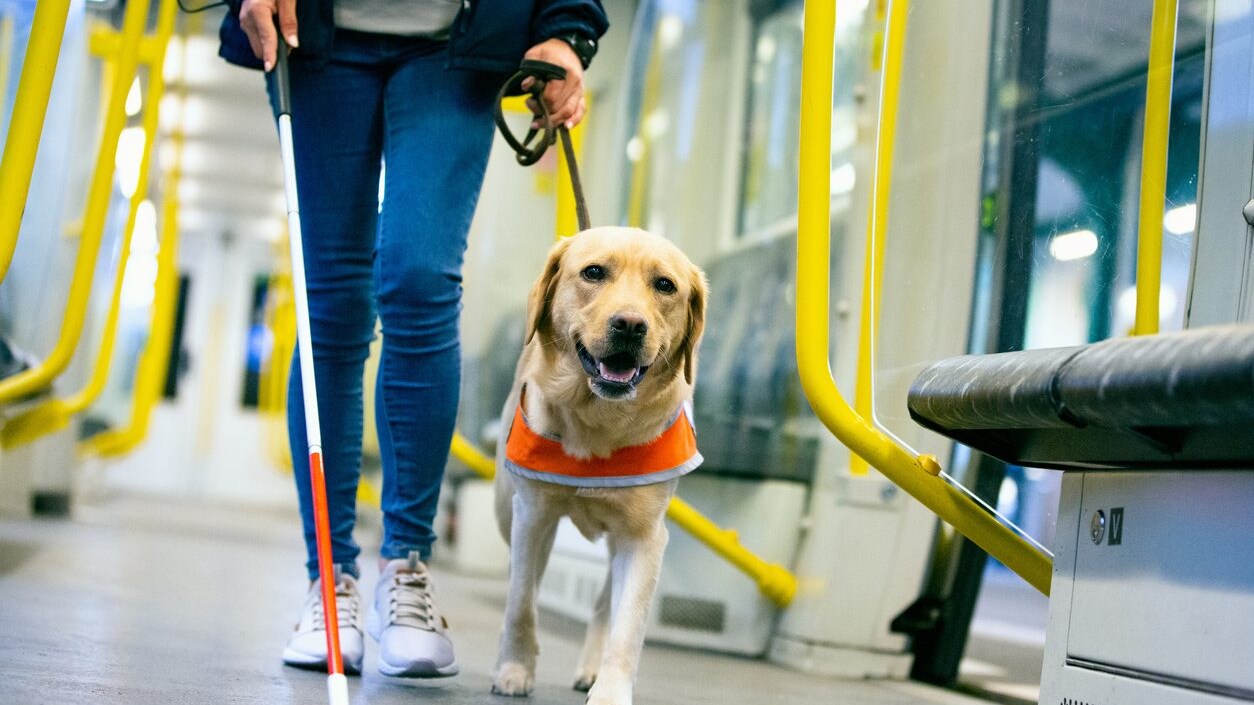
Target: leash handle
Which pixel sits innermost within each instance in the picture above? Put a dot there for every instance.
(528, 151)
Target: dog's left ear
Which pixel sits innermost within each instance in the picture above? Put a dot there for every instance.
(541, 298)
(698, 293)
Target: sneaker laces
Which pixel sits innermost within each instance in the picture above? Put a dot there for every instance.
(347, 605)
(409, 600)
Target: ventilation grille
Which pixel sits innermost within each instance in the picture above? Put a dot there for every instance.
(1073, 701)
(692, 613)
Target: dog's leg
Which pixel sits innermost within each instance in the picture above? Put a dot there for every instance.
(594, 639)
(634, 568)
(531, 539)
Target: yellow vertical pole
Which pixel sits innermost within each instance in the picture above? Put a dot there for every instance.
(29, 107)
(1149, 253)
(96, 210)
(877, 219)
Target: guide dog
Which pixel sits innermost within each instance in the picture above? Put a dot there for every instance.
(599, 423)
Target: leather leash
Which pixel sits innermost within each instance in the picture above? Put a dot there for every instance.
(528, 150)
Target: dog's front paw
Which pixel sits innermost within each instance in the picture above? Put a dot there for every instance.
(584, 680)
(605, 692)
(513, 679)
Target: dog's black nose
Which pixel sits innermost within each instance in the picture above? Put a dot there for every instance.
(629, 324)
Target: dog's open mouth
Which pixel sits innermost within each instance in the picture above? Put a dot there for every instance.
(615, 373)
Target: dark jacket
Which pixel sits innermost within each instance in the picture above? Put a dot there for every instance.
(488, 35)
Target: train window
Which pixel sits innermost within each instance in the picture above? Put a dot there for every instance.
(259, 343)
(768, 190)
(681, 133)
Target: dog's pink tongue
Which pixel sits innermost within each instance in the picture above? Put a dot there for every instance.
(616, 375)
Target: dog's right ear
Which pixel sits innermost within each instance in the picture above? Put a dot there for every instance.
(541, 298)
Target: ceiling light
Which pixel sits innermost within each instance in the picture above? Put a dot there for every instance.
(1180, 220)
(1073, 245)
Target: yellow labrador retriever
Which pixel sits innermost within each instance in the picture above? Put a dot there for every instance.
(599, 431)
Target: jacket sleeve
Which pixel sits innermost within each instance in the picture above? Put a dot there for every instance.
(557, 17)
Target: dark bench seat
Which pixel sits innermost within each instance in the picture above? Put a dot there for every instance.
(1171, 400)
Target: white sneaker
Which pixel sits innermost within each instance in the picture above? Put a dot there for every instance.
(413, 637)
(307, 647)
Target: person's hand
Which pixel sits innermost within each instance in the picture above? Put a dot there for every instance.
(257, 19)
(564, 99)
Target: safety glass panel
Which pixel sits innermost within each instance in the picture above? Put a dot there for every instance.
(1012, 212)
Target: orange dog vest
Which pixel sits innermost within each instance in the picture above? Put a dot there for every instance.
(540, 457)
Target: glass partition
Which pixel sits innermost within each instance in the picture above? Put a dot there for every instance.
(1018, 168)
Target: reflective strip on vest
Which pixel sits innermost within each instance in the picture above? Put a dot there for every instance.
(538, 457)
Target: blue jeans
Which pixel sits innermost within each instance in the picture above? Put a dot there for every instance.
(386, 98)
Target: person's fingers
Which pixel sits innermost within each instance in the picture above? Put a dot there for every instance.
(287, 21)
(534, 106)
(563, 115)
(257, 20)
(579, 113)
(269, 41)
(250, 31)
(558, 94)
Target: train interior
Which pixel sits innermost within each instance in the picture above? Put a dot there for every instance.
(985, 194)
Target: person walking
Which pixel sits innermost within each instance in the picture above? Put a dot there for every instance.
(405, 86)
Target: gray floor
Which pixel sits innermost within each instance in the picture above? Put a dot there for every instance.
(147, 601)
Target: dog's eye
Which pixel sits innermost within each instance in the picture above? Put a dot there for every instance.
(664, 285)
(593, 273)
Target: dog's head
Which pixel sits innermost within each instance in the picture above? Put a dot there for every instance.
(624, 306)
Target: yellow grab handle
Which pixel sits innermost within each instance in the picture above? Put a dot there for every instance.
(26, 126)
(154, 361)
(774, 581)
(54, 414)
(35, 378)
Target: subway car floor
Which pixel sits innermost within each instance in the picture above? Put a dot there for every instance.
(144, 600)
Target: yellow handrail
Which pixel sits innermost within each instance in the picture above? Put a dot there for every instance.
(37, 377)
(1149, 251)
(27, 124)
(55, 414)
(774, 581)
(154, 361)
(877, 216)
(917, 475)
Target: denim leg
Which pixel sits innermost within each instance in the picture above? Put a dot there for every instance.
(438, 131)
(337, 136)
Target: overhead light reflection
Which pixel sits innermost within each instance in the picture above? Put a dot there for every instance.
(1180, 220)
(843, 178)
(1073, 245)
(669, 30)
(134, 99)
(635, 149)
(140, 277)
(127, 159)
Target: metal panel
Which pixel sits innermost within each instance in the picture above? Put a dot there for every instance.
(1222, 287)
(1164, 585)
